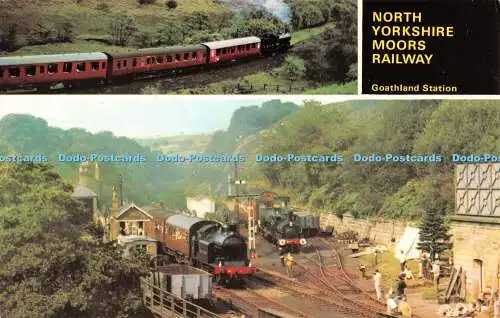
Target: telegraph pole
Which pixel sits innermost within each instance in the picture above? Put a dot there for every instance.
(249, 211)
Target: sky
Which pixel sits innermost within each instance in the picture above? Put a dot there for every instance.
(142, 116)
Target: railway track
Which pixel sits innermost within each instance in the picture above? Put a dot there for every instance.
(249, 301)
(167, 82)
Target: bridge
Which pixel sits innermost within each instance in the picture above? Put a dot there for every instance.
(166, 305)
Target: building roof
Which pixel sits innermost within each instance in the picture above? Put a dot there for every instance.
(82, 192)
(125, 239)
(125, 209)
(200, 197)
(52, 58)
(180, 269)
(159, 211)
(231, 43)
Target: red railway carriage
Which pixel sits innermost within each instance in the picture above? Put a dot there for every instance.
(156, 59)
(229, 50)
(18, 71)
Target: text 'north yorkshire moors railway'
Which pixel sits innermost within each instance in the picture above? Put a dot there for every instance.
(396, 43)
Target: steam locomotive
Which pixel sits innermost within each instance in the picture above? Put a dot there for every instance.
(275, 223)
(209, 245)
(281, 229)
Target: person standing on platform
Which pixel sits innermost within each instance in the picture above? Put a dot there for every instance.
(377, 279)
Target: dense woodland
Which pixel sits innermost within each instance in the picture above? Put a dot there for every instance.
(51, 264)
(400, 191)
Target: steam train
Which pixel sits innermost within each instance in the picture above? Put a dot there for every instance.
(90, 69)
(209, 245)
(274, 222)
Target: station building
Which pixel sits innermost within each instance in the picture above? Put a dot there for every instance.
(475, 227)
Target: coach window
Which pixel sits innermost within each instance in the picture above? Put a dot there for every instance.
(233, 49)
(95, 66)
(30, 70)
(247, 47)
(67, 67)
(194, 56)
(217, 52)
(169, 59)
(125, 62)
(177, 57)
(118, 64)
(186, 56)
(14, 71)
(52, 68)
(103, 65)
(254, 45)
(159, 59)
(42, 69)
(224, 50)
(134, 62)
(1, 72)
(80, 67)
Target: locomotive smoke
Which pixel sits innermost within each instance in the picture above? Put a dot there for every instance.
(278, 8)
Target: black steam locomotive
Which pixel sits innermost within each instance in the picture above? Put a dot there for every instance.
(209, 245)
(281, 229)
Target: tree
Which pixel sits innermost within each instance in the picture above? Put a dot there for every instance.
(434, 237)
(51, 262)
(122, 27)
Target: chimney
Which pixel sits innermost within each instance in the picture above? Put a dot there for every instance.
(121, 190)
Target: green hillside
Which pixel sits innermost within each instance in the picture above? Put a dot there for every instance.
(399, 190)
(178, 144)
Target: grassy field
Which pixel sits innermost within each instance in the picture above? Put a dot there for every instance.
(306, 34)
(348, 88)
(389, 267)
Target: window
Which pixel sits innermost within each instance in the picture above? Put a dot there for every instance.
(52, 68)
(177, 57)
(247, 47)
(14, 71)
(233, 49)
(169, 59)
(186, 56)
(80, 67)
(217, 52)
(194, 55)
(118, 64)
(239, 48)
(103, 65)
(30, 70)
(140, 224)
(94, 66)
(134, 62)
(159, 59)
(224, 50)
(67, 67)
(1, 72)
(124, 63)
(254, 45)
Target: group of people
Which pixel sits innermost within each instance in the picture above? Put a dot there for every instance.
(396, 303)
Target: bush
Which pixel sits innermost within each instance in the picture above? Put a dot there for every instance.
(143, 2)
(171, 4)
